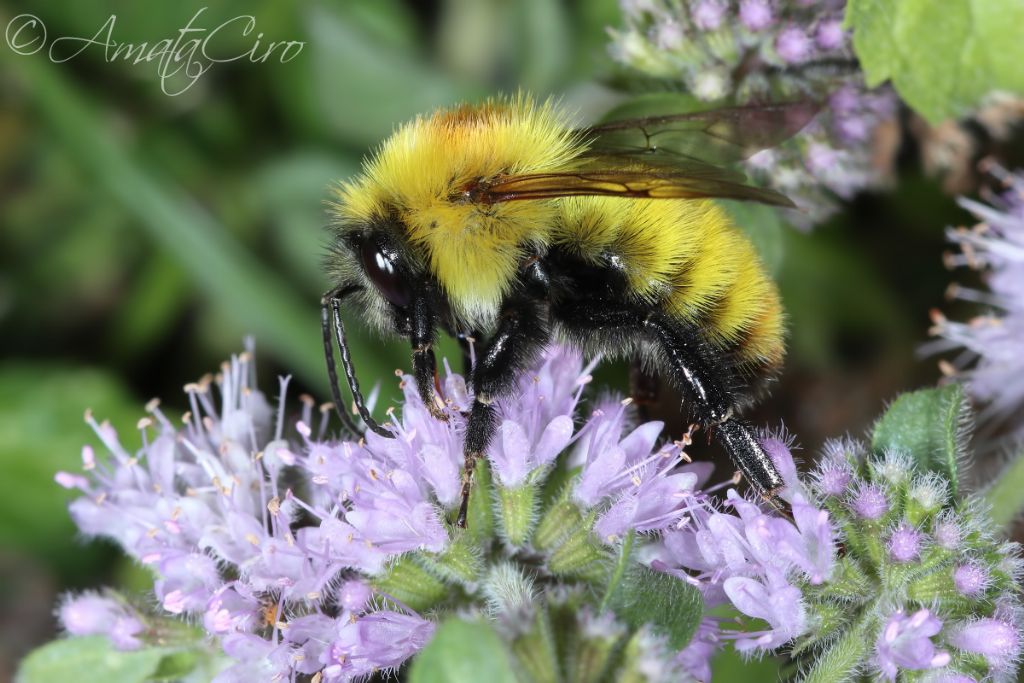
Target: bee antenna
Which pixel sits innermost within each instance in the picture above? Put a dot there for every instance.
(333, 300)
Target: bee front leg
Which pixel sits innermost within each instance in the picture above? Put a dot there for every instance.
(522, 333)
(423, 332)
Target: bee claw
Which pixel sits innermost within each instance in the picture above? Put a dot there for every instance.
(437, 412)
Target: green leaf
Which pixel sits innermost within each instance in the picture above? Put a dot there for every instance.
(941, 57)
(42, 431)
(932, 426)
(463, 652)
(730, 665)
(363, 88)
(252, 298)
(1005, 495)
(671, 607)
(91, 660)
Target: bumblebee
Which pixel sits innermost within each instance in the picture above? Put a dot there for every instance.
(503, 223)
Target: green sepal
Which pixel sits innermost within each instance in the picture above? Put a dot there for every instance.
(518, 512)
(828, 618)
(849, 582)
(581, 555)
(932, 426)
(917, 514)
(534, 651)
(558, 521)
(896, 576)
(480, 515)
(460, 562)
(865, 539)
(842, 660)
(408, 582)
(670, 607)
(973, 665)
(590, 658)
(177, 665)
(936, 588)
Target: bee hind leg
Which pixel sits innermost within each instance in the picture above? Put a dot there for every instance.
(692, 364)
(709, 385)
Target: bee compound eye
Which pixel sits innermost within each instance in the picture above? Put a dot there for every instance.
(382, 267)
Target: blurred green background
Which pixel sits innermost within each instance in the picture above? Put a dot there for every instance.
(143, 235)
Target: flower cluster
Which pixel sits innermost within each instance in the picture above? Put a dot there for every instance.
(747, 51)
(760, 562)
(990, 362)
(303, 555)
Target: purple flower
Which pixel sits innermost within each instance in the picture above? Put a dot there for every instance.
(206, 508)
(833, 476)
(772, 599)
(970, 579)
(779, 449)
(354, 595)
(794, 45)
(830, 35)
(708, 14)
(995, 639)
(91, 614)
(234, 607)
(746, 557)
(811, 544)
(258, 659)
(991, 363)
(537, 425)
(904, 543)
(637, 485)
(378, 641)
(696, 657)
(869, 502)
(947, 532)
(906, 643)
(756, 15)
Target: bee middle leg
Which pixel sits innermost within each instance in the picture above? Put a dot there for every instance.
(691, 364)
(521, 334)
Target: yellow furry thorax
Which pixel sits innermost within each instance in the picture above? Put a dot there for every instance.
(418, 172)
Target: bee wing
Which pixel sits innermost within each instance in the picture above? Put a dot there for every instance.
(674, 156)
(718, 136)
(626, 176)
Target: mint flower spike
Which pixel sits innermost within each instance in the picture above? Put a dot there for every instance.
(989, 360)
(744, 51)
(294, 555)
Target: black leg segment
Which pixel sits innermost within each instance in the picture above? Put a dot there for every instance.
(422, 335)
(689, 362)
(522, 333)
(330, 312)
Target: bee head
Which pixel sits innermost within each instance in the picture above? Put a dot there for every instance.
(376, 259)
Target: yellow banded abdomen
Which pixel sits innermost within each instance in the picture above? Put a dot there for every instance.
(686, 258)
